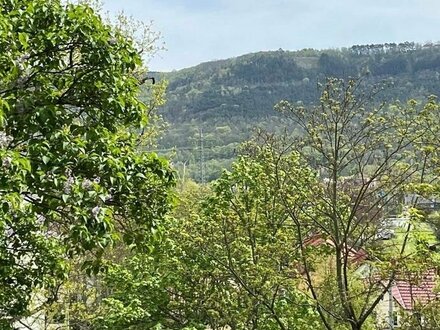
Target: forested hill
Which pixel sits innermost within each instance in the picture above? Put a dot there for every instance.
(225, 99)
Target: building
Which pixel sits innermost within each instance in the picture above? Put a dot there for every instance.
(406, 293)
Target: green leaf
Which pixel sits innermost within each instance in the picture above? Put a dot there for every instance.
(23, 38)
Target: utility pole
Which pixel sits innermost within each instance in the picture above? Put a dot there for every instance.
(390, 308)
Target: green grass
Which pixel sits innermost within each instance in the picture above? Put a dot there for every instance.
(418, 232)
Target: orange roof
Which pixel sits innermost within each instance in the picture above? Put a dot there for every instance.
(421, 291)
(354, 255)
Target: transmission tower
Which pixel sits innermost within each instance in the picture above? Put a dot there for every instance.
(202, 157)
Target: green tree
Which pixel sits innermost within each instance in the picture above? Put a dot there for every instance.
(425, 313)
(229, 258)
(245, 232)
(71, 178)
(424, 317)
(367, 154)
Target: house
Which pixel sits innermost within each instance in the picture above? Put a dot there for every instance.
(406, 293)
(423, 203)
(355, 255)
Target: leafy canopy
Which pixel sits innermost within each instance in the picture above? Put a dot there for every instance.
(71, 180)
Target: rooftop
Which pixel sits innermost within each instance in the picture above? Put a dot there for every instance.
(417, 289)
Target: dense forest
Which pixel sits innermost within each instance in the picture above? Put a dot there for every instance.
(224, 100)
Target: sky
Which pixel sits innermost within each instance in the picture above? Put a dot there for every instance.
(196, 31)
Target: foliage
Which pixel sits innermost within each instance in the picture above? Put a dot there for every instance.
(247, 235)
(288, 238)
(71, 179)
(228, 259)
(424, 317)
(367, 156)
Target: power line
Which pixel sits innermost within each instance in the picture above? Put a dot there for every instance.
(185, 148)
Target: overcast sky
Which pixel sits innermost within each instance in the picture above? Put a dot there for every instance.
(196, 31)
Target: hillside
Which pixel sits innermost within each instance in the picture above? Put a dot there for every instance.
(218, 103)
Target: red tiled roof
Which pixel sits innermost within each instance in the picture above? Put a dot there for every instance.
(354, 255)
(406, 293)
